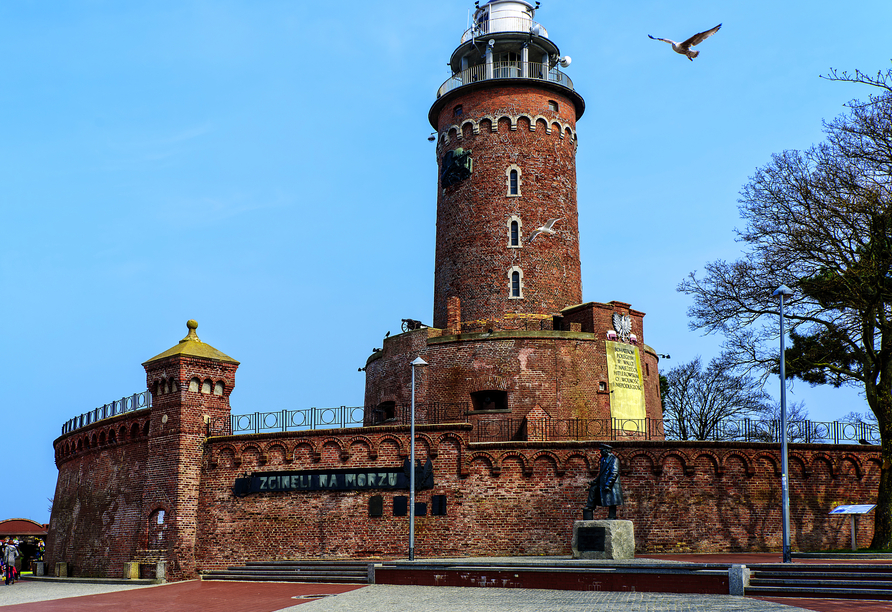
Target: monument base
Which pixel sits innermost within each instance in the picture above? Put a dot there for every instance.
(603, 540)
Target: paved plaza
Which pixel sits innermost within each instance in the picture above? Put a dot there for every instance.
(197, 596)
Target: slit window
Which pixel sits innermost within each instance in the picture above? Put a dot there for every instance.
(515, 284)
(515, 234)
(512, 187)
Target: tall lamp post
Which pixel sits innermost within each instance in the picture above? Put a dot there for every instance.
(418, 363)
(785, 486)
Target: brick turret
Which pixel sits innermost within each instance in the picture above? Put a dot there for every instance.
(190, 385)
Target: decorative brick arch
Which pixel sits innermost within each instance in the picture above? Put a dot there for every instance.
(371, 449)
(686, 468)
(717, 466)
(315, 455)
(826, 459)
(772, 461)
(590, 466)
(746, 460)
(560, 467)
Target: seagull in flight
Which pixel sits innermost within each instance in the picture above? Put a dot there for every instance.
(545, 229)
(685, 47)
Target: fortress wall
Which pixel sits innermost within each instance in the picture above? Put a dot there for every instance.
(521, 498)
(98, 518)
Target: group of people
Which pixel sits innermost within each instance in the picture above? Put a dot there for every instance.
(9, 552)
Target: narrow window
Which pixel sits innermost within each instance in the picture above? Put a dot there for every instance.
(513, 180)
(552, 106)
(457, 111)
(515, 284)
(515, 234)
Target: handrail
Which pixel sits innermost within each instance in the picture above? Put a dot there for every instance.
(504, 24)
(505, 70)
(137, 401)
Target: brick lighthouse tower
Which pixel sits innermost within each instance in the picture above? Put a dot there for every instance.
(507, 160)
(510, 332)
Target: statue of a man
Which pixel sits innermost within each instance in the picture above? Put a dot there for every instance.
(606, 490)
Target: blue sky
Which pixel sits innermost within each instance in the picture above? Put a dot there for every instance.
(263, 168)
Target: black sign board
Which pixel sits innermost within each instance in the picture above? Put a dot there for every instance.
(335, 480)
(591, 539)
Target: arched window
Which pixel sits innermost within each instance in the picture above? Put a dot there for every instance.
(515, 234)
(513, 180)
(515, 283)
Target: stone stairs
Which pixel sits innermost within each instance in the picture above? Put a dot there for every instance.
(352, 572)
(822, 581)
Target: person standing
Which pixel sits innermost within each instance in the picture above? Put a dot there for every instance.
(10, 554)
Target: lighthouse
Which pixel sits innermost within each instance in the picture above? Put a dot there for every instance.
(506, 154)
(511, 337)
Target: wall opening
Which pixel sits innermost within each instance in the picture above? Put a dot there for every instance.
(491, 399)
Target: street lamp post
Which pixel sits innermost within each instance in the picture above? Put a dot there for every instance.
(419, 362)
(785, 485)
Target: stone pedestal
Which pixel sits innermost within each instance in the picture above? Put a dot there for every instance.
(131, 570)
(61, 569)
(39, 568)
(603, 540)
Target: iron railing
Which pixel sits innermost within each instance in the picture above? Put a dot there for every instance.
(490, 428)
(137, 401)
(425, 413)
(514, 23)
(505, 70)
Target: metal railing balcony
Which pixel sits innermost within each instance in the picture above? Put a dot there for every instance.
(137, 401)
(504, 24)
(505, 70)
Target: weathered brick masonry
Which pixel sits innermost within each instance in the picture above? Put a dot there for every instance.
(508, 498)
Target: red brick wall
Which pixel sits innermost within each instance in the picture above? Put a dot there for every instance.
(472, 254)
(97, 518)
(508, 498)
(522, 498)
(559, 371)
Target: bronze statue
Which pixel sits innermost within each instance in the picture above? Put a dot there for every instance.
(605, 490)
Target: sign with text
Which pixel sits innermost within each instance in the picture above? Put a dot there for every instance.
(626, 385)
(853, 509)
(335, 480)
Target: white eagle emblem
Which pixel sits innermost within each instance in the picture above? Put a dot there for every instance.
(623, 326)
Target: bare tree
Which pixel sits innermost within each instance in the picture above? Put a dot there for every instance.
(820, 222)
(700, 404)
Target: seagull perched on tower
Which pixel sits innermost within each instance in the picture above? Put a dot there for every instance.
(545, 229)
(685, 47)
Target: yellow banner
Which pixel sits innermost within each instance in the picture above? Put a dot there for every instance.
(626, 385)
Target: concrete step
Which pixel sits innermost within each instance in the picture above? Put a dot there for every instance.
(283, 577)
(819, 592)
(849, 581)
(353, 572)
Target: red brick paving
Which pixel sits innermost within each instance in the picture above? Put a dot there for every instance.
(832, 605)
(191, 596)
(754, 559)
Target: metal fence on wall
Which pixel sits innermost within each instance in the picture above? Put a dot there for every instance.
(487, 428)
(137, 401)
